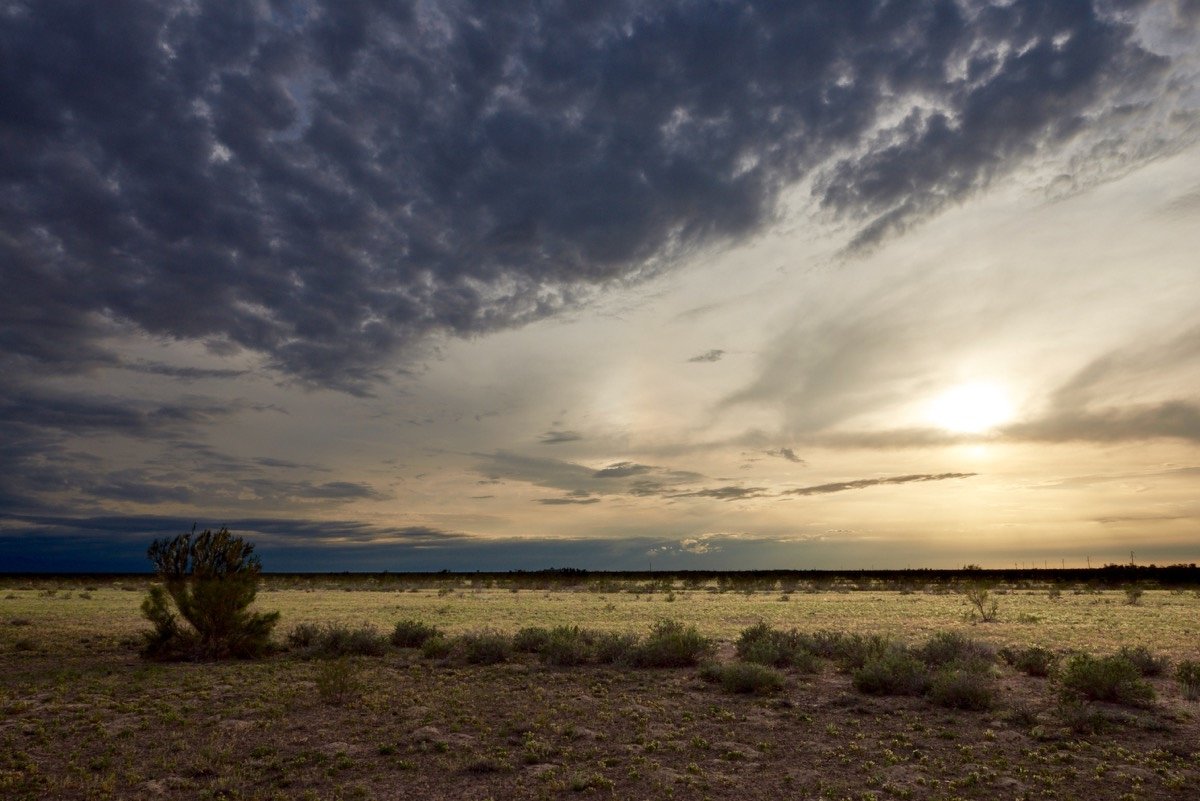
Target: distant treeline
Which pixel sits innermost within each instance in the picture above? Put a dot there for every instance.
(1108, 576)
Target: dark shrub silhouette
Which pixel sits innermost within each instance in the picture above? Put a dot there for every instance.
(211, 579)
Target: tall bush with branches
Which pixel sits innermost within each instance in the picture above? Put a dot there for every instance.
(210, 579)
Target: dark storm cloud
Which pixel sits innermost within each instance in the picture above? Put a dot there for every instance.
(325, 183)
(863, 483)
(708, 356)
(182, 373)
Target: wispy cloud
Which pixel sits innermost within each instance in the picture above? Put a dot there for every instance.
(863, 483)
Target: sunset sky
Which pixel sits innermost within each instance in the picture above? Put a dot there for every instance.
(500, 285)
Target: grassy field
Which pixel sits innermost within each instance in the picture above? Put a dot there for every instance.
(85, 717)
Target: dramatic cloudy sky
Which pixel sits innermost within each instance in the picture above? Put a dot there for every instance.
(388, 285)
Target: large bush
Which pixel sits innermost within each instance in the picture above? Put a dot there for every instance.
(210, 580)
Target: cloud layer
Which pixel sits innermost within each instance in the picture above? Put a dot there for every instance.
(326, 183)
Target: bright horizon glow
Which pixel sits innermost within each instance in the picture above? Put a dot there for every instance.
(971, 408)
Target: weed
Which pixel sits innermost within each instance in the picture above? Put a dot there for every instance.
(743, 677)
(413, 633)
(1105, 678)
(895, 672)
(1145, 661)
(671, 644)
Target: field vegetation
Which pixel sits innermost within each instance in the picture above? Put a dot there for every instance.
(624, 687)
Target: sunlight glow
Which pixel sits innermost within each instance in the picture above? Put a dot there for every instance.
(971, 408)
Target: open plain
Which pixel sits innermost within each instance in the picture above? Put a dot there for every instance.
(85, 717)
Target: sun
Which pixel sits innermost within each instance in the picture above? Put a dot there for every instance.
(971, 408)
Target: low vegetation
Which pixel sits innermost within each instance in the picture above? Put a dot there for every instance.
(458, 687)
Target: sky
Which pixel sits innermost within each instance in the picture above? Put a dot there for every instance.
(611, 285)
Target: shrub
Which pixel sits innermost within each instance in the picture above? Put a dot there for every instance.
(1187, 673)
(567, 645)
(852, 651)
(612, 647)
(670, 644)
(963, 687)
(950, 646)
(1105, 678)
(486, 647)
(766, 646)
(338, 681)
(743, 677)
(1133, 594)
(979, 595)
(339, 639)
(437, 647)
(413, 633)
(531, 639)
(895, 672)
(1033, 661)
(211, 580)
(824, 642)
(303, 635)
(1146, 662)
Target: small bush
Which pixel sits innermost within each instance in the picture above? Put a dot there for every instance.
(1133, 594)
(337, 639)
(671, 644)
(338, 681)
(413, 633)
(1033, 661)
(895, 672)
(1146, 662)
(743, 677)
(1187, 673)
(486, 647)
(531, 639)
(963, 687)
(613, 647)
(853, 651)
(763, 645)
(950, 646)
(979, 595)
(437, 647)
(1105, 678)
(568, 645)
(1082, 718)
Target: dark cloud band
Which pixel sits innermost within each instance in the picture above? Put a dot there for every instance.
(325, 183)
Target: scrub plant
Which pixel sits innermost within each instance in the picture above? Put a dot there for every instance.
(211, 579)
